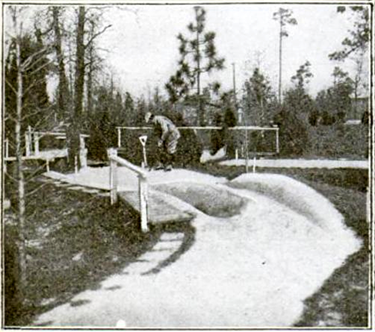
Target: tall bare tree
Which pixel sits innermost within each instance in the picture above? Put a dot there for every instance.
(63, 98)
(28, 63)
(284, 16)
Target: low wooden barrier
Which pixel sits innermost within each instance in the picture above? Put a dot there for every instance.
(142, 184)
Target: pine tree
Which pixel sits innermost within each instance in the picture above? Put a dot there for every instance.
(198, 56)
(284, 16)
(258, 98)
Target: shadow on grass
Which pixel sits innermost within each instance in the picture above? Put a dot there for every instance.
(75, 240)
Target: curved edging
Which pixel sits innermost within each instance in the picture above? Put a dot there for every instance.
(294, 194)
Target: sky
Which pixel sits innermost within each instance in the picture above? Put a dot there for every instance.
(141, 48)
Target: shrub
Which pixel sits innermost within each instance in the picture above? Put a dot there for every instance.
(294, 139)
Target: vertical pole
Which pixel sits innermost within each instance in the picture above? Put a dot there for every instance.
(82, 152)
(234, 86)
(30, 138)
(246, 152)
(83, 158)
(254, 162)
(143, 199)
(75, 165)
(7, 148)
(36, 143)
(47, 165)
(144, 156)
(277, 141)
(27, 144)
(280, 56)
(113, 176)
(118, 137)
(82, 142)
(236, 154)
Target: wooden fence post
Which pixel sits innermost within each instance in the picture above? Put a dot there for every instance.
(75, 165)
(36, 143)
(27, 144)
(119, 137)
(7, 148)
(254, 164)
(143, 201)
(113, 181)
(82, 152)
(277, 141)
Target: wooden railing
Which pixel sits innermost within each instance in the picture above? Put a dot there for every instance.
(142, 184)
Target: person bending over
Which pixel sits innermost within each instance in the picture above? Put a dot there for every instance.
(168, 140)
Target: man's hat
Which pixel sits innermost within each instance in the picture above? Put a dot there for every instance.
(148, 116)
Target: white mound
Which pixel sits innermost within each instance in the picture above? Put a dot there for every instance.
(207, 156)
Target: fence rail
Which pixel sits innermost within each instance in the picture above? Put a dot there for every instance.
(142, 184)
(195, 128)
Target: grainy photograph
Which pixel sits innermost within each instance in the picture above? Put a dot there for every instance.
(186, 165)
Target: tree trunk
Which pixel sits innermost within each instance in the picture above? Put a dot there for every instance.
(89, 81)
(200, 105)
(280, 57)
(63, 91)
(75, 124)
(20, 175)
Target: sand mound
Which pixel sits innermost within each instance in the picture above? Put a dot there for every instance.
(212, 200)
(294, 194)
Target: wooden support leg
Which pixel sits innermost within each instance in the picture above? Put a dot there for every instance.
(143, 202)
(113, 181)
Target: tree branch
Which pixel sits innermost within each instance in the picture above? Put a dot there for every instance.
(11, 86)
(29, 60)
(96, 35)
(32, 85)
(41, 67)
(32, 114)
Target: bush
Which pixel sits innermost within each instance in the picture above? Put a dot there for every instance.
(339, 141)
(294, 139)
(189, 148)
(102, 136)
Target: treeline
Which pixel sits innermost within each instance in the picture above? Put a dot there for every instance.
(62, 47)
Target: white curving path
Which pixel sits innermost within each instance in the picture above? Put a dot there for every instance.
(251, 270)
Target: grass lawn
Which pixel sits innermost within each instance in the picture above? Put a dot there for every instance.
(76, 239)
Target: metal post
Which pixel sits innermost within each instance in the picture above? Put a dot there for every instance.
(119, 137)
(143, 199)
